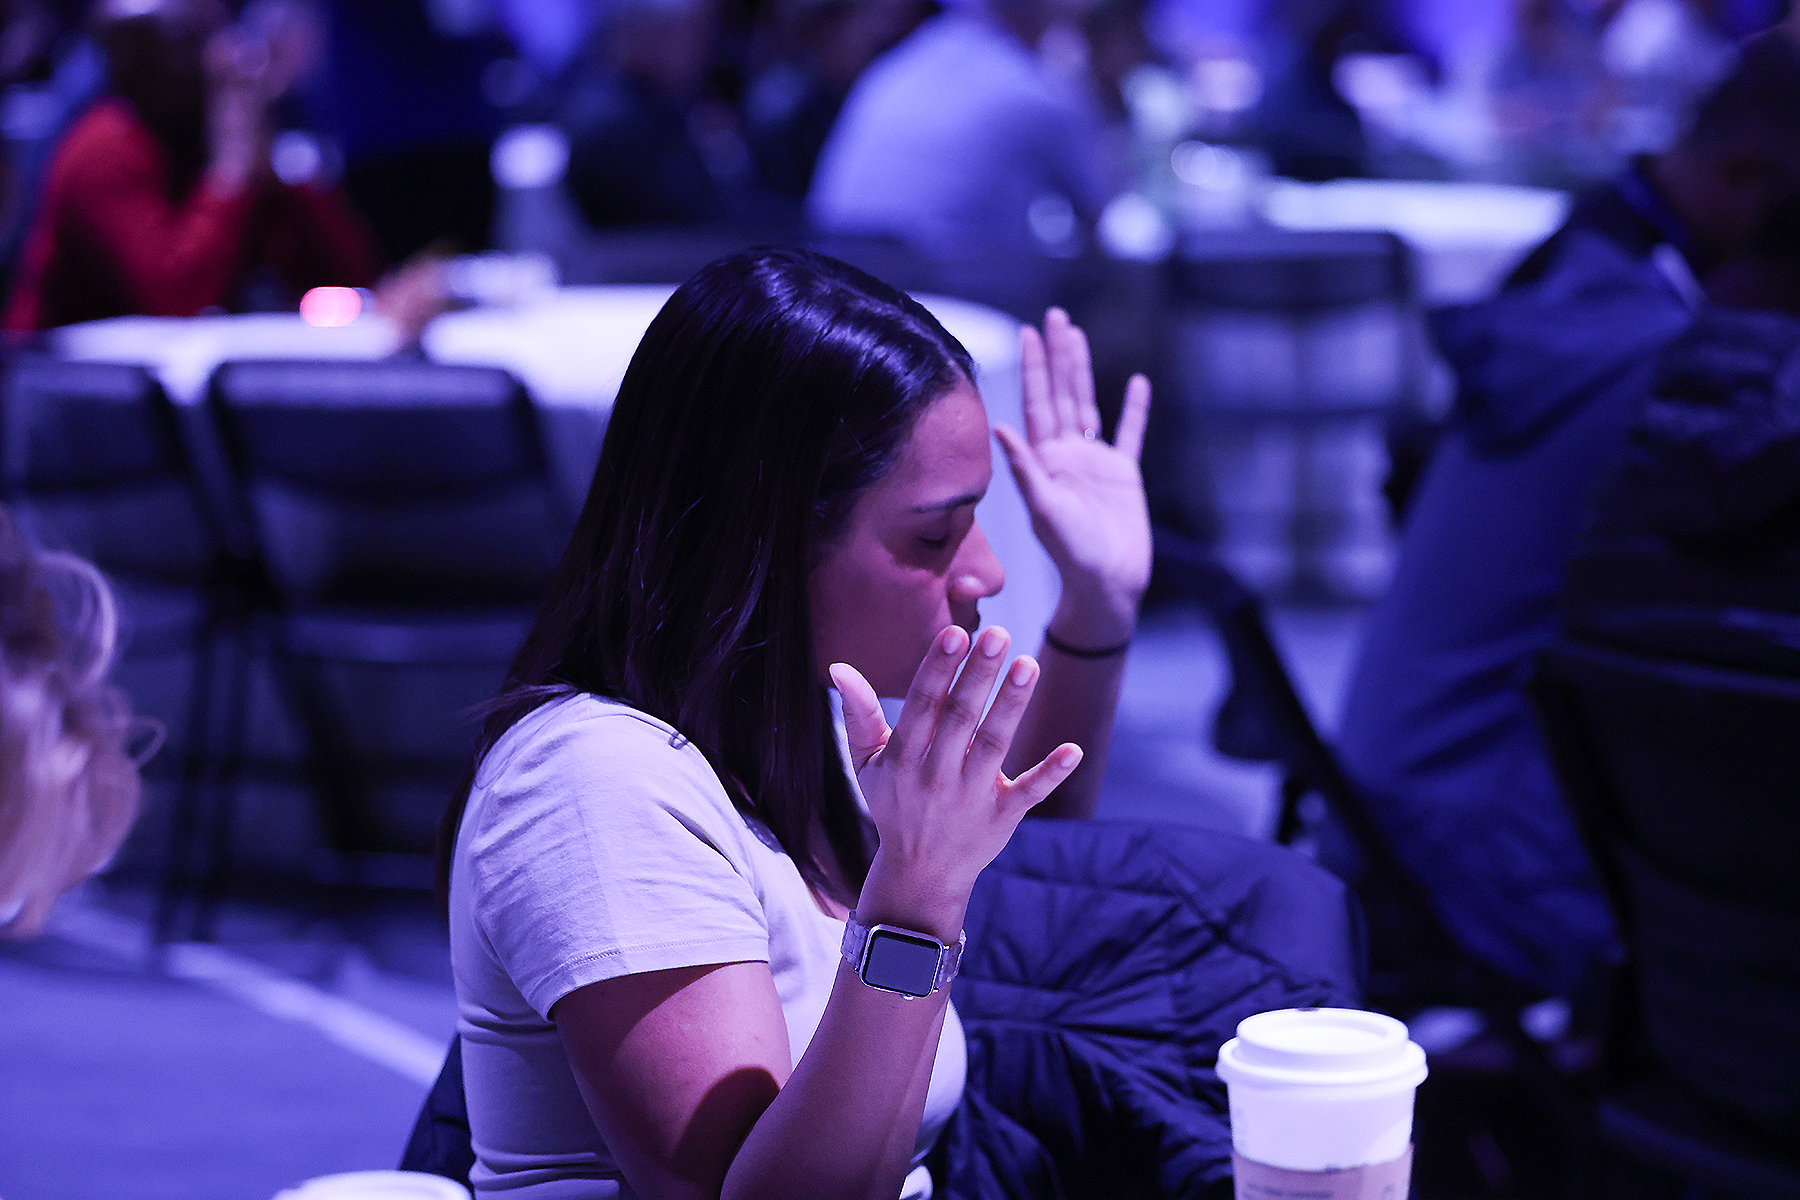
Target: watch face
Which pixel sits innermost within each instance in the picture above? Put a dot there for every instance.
(900, 962)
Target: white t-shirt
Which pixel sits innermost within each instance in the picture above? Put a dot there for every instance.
(599, 843)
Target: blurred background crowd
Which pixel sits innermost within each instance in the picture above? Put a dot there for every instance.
(1049, 125)
(1021, 153)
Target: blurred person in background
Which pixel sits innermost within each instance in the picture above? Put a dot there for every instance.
(964, 143)
(50, 71)
(1662, 56)
(407, 93)
(1308, 129)
(1117, 44)
(1692, 546)
(1552, 97)
(648, 144)
(161, 198)
(792, 104)
(547, 33)
(68, 788)
(1437, 731)
(1691, 558)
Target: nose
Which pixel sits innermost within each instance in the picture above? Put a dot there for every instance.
(976, 573)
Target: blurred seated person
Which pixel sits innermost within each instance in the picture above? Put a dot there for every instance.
(950, 139)
(401, 92)
(791, 106)
(1308, 129)
(1553, 103)
(638, 119)
(50, 71)
(160, 199)
(68, 790)
(1692, 556)
(1551, 373)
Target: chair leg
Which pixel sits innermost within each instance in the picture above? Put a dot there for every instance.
(223, 807)
(196, 763)
(333, 775)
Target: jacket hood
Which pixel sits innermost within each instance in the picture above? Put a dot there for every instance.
(1529, 355)
(1714, 458)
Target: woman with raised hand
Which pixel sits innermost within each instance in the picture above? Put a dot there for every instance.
(702, 935)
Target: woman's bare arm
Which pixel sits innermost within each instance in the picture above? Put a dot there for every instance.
(686, 1072)
(682, 1070)
(1088, 509)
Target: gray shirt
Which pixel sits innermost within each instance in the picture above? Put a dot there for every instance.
(948, 139)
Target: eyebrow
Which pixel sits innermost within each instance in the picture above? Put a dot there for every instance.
(949, 505)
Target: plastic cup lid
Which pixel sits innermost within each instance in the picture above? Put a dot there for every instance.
(1314, 1046)
(377, 1185)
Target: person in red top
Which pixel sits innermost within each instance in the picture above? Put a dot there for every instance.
(160, 199)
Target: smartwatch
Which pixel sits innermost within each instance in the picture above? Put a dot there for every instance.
(905, 961)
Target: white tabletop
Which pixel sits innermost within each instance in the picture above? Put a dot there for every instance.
(571, 347)
(182, 351)
(1467, 236)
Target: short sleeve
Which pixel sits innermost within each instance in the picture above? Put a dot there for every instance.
(598, 845)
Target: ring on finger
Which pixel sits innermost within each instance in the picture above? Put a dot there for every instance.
(1090, 433)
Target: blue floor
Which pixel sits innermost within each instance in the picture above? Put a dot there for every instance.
(302, 1043)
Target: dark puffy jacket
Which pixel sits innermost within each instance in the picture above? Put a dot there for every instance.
(1107, 963)
(1692, 560)
(1693, 548)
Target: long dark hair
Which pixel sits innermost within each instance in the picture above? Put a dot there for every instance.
(770, 392)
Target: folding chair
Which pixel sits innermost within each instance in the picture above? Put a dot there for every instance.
(1684, 779)
(406, 525)
(1293, 352)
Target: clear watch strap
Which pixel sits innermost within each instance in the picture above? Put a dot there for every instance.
(856, 937)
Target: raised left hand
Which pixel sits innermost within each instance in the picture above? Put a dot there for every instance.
(1086, 496)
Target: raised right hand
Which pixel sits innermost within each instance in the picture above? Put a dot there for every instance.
(942, 805)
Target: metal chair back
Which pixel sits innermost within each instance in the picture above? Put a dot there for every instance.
(1684, 779)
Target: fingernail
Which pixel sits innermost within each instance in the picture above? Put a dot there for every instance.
(992, 643)
(1022, 671)
(947, 640)
(1070, 756)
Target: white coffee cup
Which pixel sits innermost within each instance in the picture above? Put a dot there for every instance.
(1321, 1089)
(376, 1185)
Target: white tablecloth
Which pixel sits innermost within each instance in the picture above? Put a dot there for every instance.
(1466, 236)
(571, 347)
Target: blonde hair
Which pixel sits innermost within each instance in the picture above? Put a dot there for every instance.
(68, 787)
